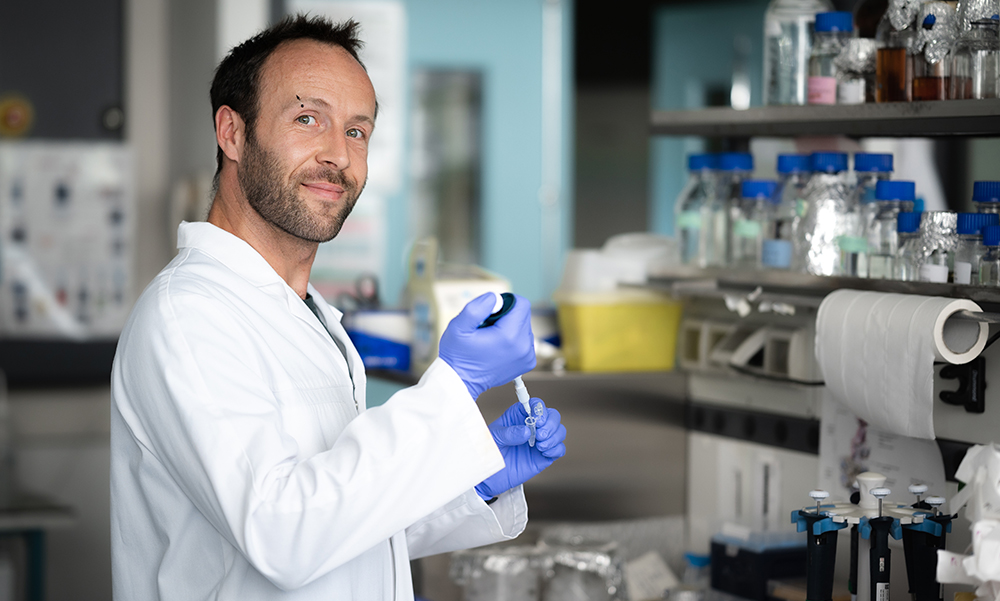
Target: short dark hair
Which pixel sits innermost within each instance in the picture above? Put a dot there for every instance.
(237, 79)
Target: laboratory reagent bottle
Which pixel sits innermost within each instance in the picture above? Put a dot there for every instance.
(788, 34)
(755, 215)
(975, 65)
(734, 168)
(989, 264)
(970, 245)
(869, 169)
(937, 232)
(894, 67)
(891, 198)
(693, 209)
(911, 250)
(829, 214)
(833, 29)
(779, 250)
(986, 197)
(932, 67)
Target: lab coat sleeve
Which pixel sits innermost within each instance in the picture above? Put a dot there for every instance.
(189, 385)
(469, 522)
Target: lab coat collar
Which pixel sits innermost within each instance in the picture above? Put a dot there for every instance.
(236, 254)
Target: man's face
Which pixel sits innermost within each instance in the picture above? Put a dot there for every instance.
(306, 161)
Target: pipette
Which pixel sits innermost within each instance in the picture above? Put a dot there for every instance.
(504, 303)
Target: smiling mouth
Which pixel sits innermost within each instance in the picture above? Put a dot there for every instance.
(324, 189)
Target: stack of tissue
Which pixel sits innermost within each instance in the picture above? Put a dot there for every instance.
(980, 471)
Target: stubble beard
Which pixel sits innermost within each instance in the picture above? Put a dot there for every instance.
(260, 177)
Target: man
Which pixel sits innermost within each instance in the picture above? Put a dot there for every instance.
(244, 464)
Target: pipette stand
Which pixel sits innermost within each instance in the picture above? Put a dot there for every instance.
(844, 514)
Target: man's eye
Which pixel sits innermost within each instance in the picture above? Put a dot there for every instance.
(355, 133)
(306, 119)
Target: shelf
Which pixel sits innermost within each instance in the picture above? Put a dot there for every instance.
(798, 288)
(940, 118)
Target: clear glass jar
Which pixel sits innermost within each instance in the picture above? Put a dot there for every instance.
(894, 67)
(911, 249)
(975, 64)
(749, 230)
(788, 34)
(693, 209)
(779, 249)
(833, 30)
(734, 168)
(830, 213)
(989, 264)
(970, 245)
(891, 199)
(986, 197)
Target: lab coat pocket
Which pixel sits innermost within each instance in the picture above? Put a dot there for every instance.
(315, 417)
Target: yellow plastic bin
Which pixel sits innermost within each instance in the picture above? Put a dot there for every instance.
(627, 330)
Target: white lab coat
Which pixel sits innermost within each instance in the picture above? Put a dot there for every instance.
(244, 465)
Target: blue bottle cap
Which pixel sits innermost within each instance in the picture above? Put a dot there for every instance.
(759, 189)
(698, 560)
(697, 162)
(834, 21)
(736, 161)
(973, 223)
(907, 223)
(829, 162)
(986, 192)
(895, 190)
(793, 163)
(991, 235)
(867, 162)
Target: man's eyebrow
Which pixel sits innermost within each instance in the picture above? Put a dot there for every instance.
(300, 100)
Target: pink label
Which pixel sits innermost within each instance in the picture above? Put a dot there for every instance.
(822, 90)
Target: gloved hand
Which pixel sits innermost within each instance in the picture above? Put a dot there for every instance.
(490, 356)
(523, 462)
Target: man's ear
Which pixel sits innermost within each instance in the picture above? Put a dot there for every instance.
(230, 132)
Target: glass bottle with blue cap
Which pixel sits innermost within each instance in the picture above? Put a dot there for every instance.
(989, 264)
(891, 198)
(829, 214)
(911, 250)
(734, 168)
(869, 169)
(778, 249)
(970, 245)
(986, 197)
(693, 208)
(833, 29)
(755, 215)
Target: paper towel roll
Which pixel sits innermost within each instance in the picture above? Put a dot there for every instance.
(877, 352)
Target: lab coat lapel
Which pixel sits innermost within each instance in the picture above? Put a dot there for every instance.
(333, 317)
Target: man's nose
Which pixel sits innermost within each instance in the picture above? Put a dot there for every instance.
(334, 150)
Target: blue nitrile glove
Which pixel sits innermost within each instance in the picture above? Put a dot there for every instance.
(523, 462)
(491, 356)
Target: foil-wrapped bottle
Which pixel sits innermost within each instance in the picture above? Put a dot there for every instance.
(939, 238)
(935, 38)
(856, 71)
(830, 214)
